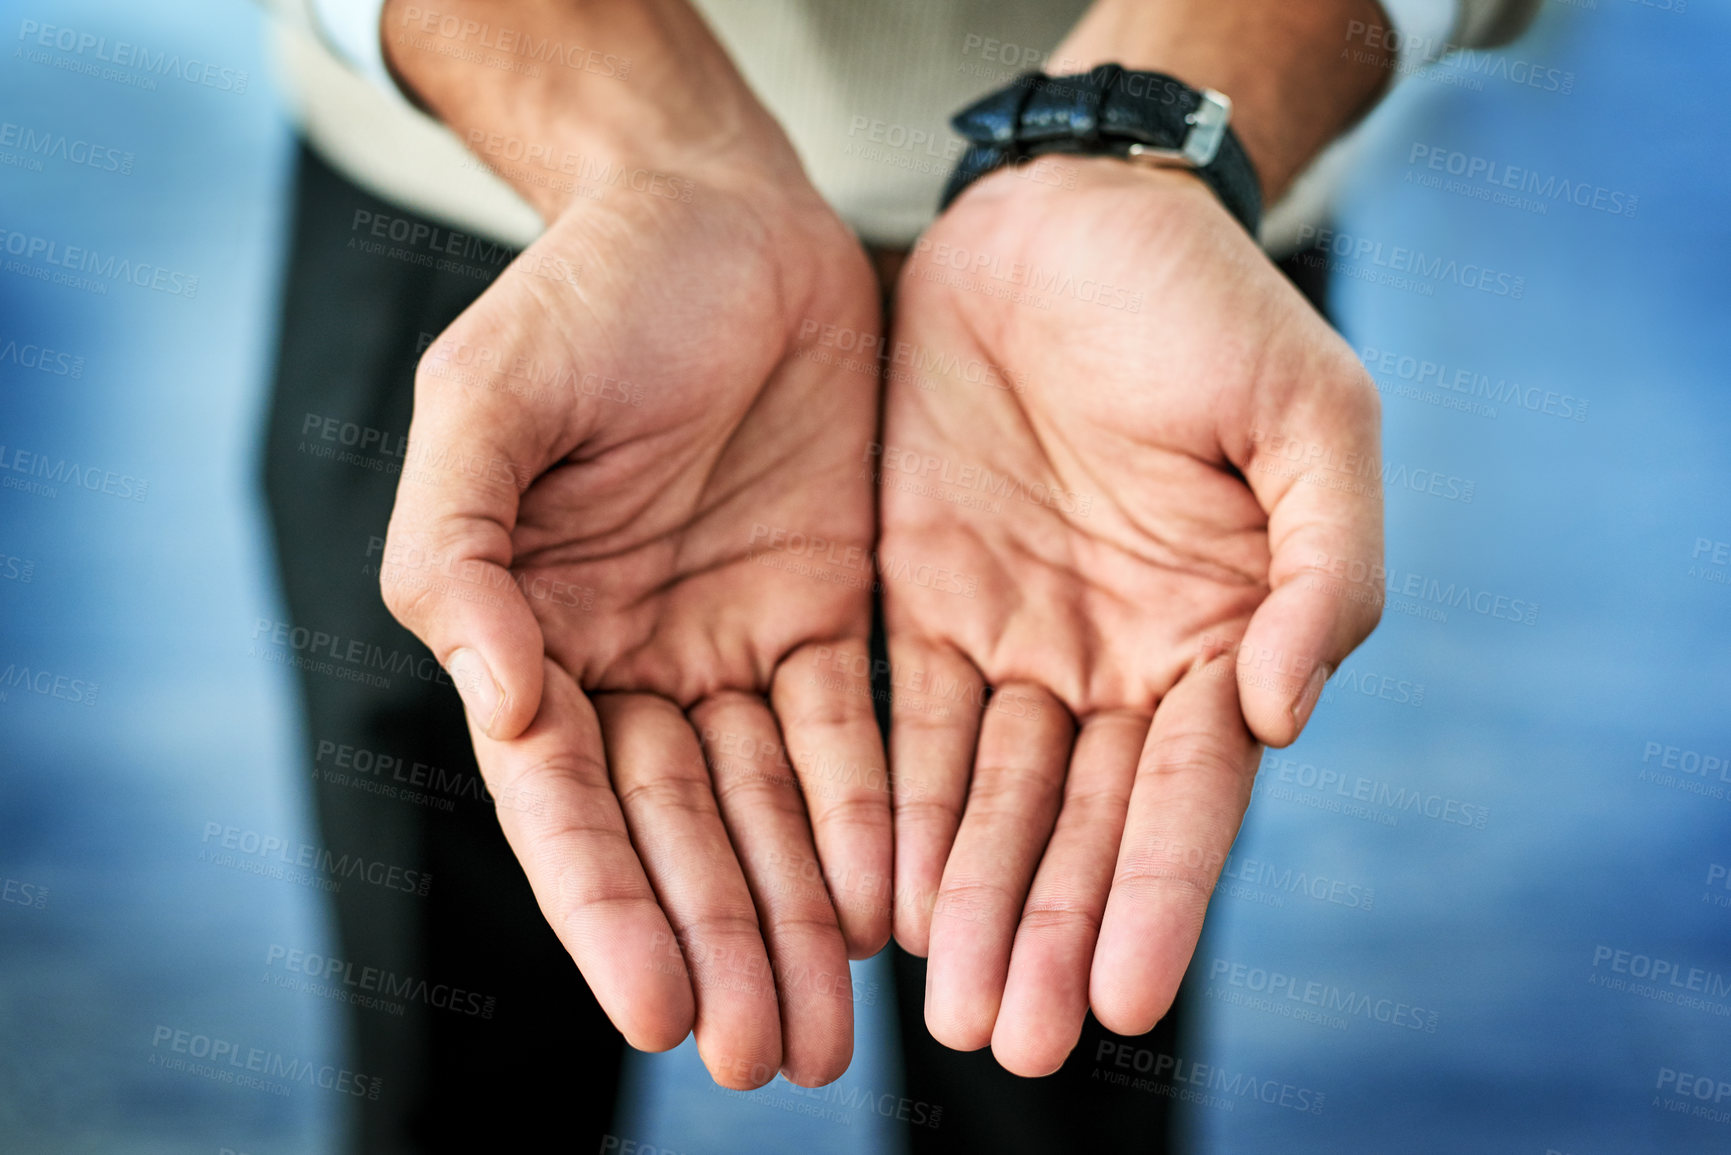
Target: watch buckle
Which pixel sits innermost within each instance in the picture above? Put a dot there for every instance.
(1201, 144)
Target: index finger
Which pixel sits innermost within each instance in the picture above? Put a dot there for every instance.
(1192, 789)
(563, 821)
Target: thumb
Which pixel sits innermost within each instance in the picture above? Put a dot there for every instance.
(1318, 473)
(446, 572)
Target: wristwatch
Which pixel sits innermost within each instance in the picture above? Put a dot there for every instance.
(1142, 117)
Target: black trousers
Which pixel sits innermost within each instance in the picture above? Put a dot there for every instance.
(467, 1009)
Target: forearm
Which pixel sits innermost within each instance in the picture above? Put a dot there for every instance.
(1293, 90)
(641, 83)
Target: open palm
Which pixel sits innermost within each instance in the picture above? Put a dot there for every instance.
(1084, 443)
(610, 444)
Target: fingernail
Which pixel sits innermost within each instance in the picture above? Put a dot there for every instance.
(1312, 692)
(480, 693)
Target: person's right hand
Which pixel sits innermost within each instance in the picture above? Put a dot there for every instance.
(624, 459)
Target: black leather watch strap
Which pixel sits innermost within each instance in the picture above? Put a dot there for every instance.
(1110, 111)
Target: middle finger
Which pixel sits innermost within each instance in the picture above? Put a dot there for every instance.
(663, 788)
(766, 818)
(1012, 802)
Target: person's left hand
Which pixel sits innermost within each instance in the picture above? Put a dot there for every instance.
(1078, 420)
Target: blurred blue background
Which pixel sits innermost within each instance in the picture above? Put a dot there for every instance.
(1555, 820)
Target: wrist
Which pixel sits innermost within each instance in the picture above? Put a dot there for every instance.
(634, 93)
(1017, 197)
(1292, 89)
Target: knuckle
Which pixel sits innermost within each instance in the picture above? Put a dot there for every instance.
(429, 372)
(408, 601)
(1190, 754)
(928, 810)
(1051, 914)
(860, 811)
(1087, 807)
(566, 771)
(818, 927)
(1369, 617)
(573, 913)
(1166, 882)
(726, 919)
(1008, 786)
(1358, 394)
(971, 899)
(756, 791)
(807, 707)
(683, 794)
